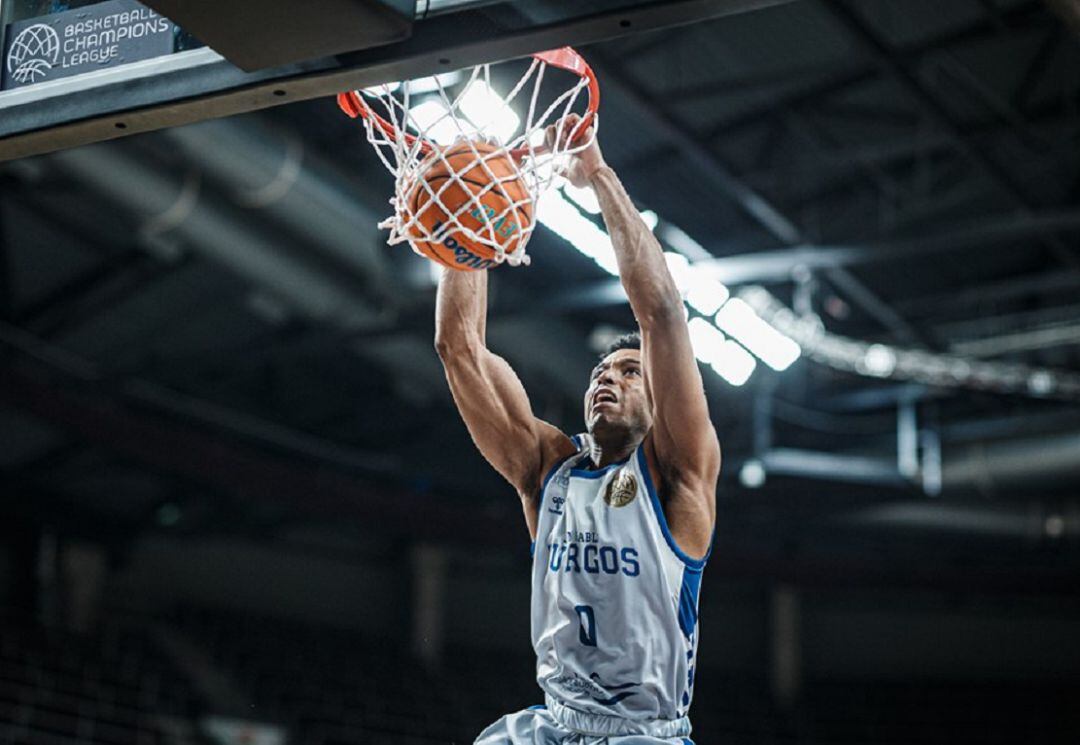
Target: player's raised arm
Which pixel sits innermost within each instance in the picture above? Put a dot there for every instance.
(687, 453)
(488, 394)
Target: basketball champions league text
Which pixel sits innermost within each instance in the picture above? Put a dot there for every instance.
(582, 553)
(98, 39)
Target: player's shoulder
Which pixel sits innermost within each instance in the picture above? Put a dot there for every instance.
(555, 447)
(687, 499)
(692, 456)
(692, 468)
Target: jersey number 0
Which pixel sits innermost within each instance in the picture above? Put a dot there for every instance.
(587, 631)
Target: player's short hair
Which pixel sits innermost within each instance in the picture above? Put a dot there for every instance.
(626, 341)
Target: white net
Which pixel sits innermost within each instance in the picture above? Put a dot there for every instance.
(470, 164)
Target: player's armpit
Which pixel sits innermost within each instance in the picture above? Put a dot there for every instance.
(496, 410)
(683, 439)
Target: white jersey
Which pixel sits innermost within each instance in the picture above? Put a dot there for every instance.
(614, 599)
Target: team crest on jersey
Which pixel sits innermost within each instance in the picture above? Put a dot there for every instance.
(621, 490)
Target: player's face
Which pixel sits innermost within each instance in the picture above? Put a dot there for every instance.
(617, 396)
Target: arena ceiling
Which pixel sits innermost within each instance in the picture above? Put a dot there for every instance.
(186, 346)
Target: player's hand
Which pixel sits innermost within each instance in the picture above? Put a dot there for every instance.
(583, 164)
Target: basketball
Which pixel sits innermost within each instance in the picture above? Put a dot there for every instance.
(478, 183)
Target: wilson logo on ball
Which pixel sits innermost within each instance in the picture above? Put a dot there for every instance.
(462, 256)
(467, 204)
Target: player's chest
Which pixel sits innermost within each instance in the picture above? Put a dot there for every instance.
(613, 501)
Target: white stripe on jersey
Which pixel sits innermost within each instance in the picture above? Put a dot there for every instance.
(614, 599)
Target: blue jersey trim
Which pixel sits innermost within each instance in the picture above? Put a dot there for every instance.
(542, 707)
(547, 479)
(693, 564)
(591, 473)
(688, 601)
(551, 473)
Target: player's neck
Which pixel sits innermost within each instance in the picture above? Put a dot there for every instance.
(611, 447)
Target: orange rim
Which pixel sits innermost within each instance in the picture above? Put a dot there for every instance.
(353, 104)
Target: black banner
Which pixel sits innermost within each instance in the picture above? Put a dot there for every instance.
(88, 38)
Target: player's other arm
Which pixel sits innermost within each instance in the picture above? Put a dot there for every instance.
(489, 395)
(683, 440)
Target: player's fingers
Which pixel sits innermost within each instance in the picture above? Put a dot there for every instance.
(579, 132)
(565, 132)
(571, 123)
(556, 135)
(549, 137)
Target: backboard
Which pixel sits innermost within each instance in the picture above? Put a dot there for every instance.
(101, 87)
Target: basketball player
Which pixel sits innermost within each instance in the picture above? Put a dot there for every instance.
(621, 517)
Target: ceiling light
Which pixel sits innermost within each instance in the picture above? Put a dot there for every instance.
(775, 350)
(432, 119)
(730, 361)
(675, 237)
(706, 340)
(584, 198)
(879, 360)
(703, 293)
(735, 364)
(488, 111)
(679, 268)
(564, 219)
(432, 83)
(752, 474)
(650, 218)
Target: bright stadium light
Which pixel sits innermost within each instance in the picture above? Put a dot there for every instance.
(727, 358)
(434, 120)
(489, 111)
(679, 268)
(740, 321)
(650, 218)
(564, 219)
(675, 237)
(706, 340)
(430, 84)
(730, 361)
(703, 293)
(879, 361)
(584, 198)
(735, 364)
(752, 475)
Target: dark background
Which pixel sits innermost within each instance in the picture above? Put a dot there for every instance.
(232, 479)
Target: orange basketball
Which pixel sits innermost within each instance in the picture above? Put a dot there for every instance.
(486, 180)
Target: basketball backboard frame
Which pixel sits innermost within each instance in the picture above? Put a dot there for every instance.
(200, 84)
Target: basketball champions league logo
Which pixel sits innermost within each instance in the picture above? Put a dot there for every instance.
(33, 53)
(89, 38)
(621, 490)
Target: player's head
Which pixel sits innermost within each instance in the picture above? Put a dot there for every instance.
(617, 399)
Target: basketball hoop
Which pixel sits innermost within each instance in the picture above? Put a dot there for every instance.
(472, 130)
